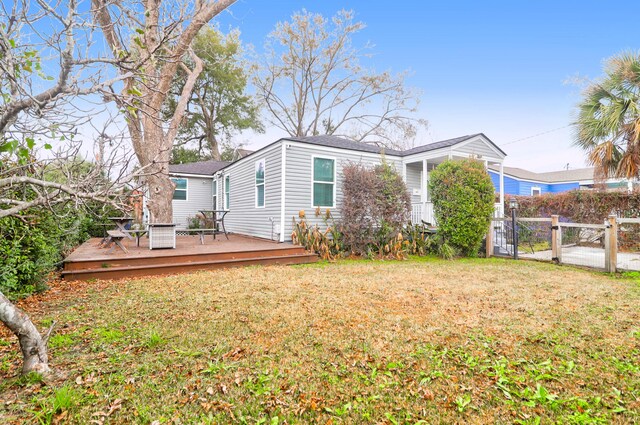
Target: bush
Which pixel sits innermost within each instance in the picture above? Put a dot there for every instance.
(375, 208)
(462, 194)
(326, 243)
(24, 256)
(34, 244)
(586, 206)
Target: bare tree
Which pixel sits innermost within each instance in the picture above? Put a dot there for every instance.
(38, 112)
(312, 83)
(157, 36)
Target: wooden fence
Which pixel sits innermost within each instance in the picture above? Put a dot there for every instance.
(609, 228)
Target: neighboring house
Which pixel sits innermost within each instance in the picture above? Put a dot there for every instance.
(522, 182)
(266, 189)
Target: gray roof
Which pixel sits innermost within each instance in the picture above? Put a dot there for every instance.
(447, 143)
(210, 167)
(205, 168)
(579, 174)
(342, 143)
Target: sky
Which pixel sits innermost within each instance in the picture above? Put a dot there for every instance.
(502, 68)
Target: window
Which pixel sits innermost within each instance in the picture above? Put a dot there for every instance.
(215, 193)
(226, 192)
(180, 192)
(260, 183)
(536, 191)
(324, 180)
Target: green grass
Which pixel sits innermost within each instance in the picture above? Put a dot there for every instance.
(419, 341)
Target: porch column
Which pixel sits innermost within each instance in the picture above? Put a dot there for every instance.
(404, 171)
(425, 192)
(502, 188)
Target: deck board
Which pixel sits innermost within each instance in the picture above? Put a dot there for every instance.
(90, 260)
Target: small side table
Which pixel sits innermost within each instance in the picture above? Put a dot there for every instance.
(162, 235)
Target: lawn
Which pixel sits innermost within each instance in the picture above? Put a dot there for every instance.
(418, 341)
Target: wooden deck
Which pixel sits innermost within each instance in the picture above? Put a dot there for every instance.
(89, 261)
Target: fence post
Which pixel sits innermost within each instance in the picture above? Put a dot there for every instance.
(556, 239)
(611, 244)
(489, 244)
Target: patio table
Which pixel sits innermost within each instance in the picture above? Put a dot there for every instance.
(137, 233)
(122, 223)
(217, 218)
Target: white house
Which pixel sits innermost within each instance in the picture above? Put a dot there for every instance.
(264, 190)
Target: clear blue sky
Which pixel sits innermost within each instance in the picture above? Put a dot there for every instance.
(497, 67)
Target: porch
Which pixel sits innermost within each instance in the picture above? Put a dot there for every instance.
(90, 261)
(417, 181)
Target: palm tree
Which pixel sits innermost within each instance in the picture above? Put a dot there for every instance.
(608, 120)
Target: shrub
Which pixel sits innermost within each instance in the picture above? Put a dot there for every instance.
(375, 208)
(325, 243)
(329, 243)
(24, 257)
(34, 244)
(462, 194)
(586, 206)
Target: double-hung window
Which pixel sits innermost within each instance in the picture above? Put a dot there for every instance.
(324, 182)
(227, 199)
(180, 192)
(260, 183)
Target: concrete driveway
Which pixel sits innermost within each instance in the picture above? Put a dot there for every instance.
(589, 257)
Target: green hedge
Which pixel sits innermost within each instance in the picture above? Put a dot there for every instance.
(462, 194)
(34, 244)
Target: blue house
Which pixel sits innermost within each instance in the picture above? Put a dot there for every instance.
(527, 183)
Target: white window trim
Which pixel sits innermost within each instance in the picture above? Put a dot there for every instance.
(225, 202)
(335, 180)
(263, 184)
(533, 188)
(186, 197)
(214, 194)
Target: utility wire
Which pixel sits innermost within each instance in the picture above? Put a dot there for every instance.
(535, 135)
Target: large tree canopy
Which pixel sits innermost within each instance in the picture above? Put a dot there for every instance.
(219, 106)
(312, 82)
(608, 122)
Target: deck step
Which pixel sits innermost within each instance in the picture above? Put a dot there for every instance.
(120, 262)
(175, 267)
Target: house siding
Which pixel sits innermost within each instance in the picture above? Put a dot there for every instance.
(199, 197)
(477, 148)
(414, 182)
(526, 186)
(511, 185)
(299, 187)
(243, 216)
(514, 186)
(564, 187)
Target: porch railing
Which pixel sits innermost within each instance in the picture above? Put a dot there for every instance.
(422, 211)
(416, 213)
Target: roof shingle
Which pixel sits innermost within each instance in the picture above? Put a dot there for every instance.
(205, 168)
(579, 174)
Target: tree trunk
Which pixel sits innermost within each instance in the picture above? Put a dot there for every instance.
(214, 146)
(32, 344)
(160, 199)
